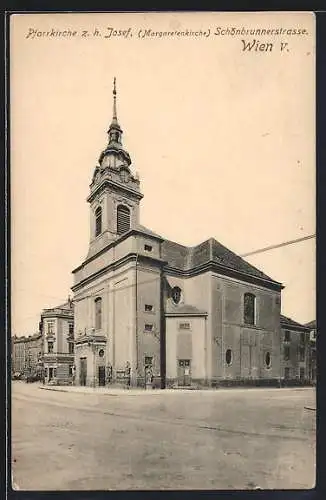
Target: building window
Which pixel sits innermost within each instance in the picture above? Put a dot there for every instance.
(268, 359)
(50, 325)
(148, 248)
(71, 328)
(301, 353)
(249, 309)
(287, 373)
(302, 338)
(287, 336)
(50, 347)
(123, 219)
(98, 313)
(286, 353)
(71, 348)
(101, 353)
(176, 294)
(184, 326)
(302, 374)
(148, 308)
(148, 327)
(70, 370)
(228, 357)
(98, 221)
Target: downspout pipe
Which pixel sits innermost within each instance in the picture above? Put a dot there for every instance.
(136, 317)
(163, 334)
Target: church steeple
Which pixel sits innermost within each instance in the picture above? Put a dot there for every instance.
(114, 154)
(114, 191)
(114, 131)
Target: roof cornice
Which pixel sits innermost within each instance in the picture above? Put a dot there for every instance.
(116, 242)
(116, 186)
(133, 256)
(227, 271)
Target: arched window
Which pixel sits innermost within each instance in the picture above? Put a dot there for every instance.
(228, 357)
(123, 219)
(249, 309)
(98, 221)
(268, 359)
(98, 313)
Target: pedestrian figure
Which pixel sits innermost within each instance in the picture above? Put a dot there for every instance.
(127, 373)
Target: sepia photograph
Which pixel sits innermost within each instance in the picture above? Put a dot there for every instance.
(163, 251)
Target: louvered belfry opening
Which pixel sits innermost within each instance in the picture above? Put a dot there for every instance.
(98, 221)
(123, 219)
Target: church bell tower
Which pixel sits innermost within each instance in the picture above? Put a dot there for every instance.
(114, 191)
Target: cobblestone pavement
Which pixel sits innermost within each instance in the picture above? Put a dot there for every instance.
(105, 439)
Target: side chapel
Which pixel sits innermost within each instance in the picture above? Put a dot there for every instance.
(149, 311)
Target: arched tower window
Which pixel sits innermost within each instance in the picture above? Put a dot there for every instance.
(123, 219)
(249, 309)
(98, 313)
(98, 221)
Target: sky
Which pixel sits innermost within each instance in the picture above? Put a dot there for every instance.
(223, 141)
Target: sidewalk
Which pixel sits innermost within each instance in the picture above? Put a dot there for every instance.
(116, 391)
(106, 391)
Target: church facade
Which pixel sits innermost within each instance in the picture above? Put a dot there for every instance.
(152, 312)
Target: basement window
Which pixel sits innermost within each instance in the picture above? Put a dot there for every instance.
(148, 248)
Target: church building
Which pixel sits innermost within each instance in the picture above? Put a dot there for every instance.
(152, 312)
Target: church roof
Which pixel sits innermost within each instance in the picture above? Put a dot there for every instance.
(290, 323)
(186, 258)
(145, 230)
(183, 310)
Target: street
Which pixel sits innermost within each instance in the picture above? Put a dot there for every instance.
(223, 439)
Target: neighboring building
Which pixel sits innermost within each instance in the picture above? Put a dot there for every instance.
(57, 326)
(152, 311)
(27, 354)
(312, 326)
(295, 352)
(18, 354)
(34, 353)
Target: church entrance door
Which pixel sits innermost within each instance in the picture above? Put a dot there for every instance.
(184, 372)
(101, 376)
(83, 371)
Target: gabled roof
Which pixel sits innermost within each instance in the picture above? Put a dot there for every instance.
(290, 323)
(183, 310)
(186, 258)
(175, 254)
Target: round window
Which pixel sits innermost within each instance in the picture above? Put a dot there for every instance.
(268, 359)
(228, 356)
(176, 294)
(101, 353)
